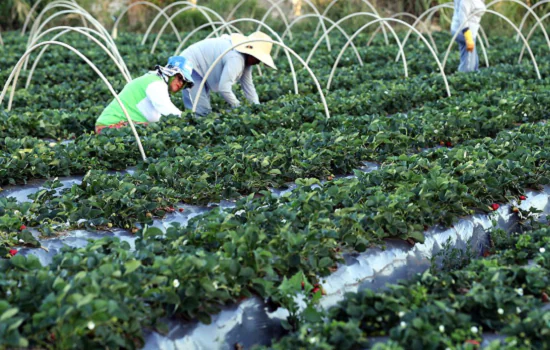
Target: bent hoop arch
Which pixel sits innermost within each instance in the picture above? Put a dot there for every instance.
(281, 12)
(170, 20)
(72, 8)
(531, 32)
(82, 31)
(207, 74)
(202, 9)
(368, 14)
(198, 29)
(366, 2)
(114, 50)
(148, 3)
(297, 19)
(68, 5)
(350, 40)
(509, 22)
(313, 7)
(430, 12)
(92, 65)
(524, 19)
(403, 23)
(529, 10)
(33, 9)
(410, 15)
(273, 32)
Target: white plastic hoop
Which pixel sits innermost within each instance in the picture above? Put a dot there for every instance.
(350, 40)
(147, 3)
(368, 14)
(366, 2)
(529, 10)
(202, 10)
(313, 7)
(505, 19)
(92, 65)
(123, 69)
(198, 29)
(207, 74)
(410, 15)
(297, 19)
(109, 43)
(531, 32)
(278, 8)
(430, 12)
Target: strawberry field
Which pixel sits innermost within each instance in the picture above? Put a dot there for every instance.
(406, 218)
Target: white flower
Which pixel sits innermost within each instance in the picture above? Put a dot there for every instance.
(401, 314)
(519, 291)
(313, 340)
(176, 283)
(474, 329)
(442, 328)
(91, 325)
(379, 319)
(215, 284)
(542, 250)
(518, 310)
(500, 311)
(403, 324)
(435, 131)
(21, 241)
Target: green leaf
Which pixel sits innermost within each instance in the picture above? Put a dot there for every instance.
(131, 266)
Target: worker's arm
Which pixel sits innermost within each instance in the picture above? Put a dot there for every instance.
(248, 87)
(157, 92)
(233, 67)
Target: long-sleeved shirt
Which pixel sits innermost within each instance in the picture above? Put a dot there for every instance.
(463, 10)
(145, 99)
(227, 72)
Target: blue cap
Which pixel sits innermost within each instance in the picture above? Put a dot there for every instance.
(183, 66)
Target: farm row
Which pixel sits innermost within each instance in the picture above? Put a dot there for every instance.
(108, 295)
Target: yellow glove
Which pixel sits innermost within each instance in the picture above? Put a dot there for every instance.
(470, 44)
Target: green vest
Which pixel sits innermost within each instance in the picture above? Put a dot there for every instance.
(132, 94)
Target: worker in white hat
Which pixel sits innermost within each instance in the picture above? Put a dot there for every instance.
(236, 66)
(469, 13)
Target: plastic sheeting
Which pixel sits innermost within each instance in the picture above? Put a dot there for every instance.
(250, 322)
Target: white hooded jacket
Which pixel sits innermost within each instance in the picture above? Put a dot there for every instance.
(470, 10)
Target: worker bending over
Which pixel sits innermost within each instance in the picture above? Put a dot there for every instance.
(470, 13)
(148, 97)
(235, 66)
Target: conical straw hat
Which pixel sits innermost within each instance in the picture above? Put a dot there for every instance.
(260, 49)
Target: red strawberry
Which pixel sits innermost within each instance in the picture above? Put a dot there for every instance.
(13, 252)
(303, 285)
(472, 341)
(181, 210)
(315, 290)
(23, 227)
(495, 206)
(515, 210)
(522, 198)
(52, 336)
(449, 144)
(544, 298)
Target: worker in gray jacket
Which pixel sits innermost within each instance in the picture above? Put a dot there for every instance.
(235, 66)
(466, 19)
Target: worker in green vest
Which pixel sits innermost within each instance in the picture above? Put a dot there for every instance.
(148, 97)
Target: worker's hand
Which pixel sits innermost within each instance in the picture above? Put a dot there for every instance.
(468, 36)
